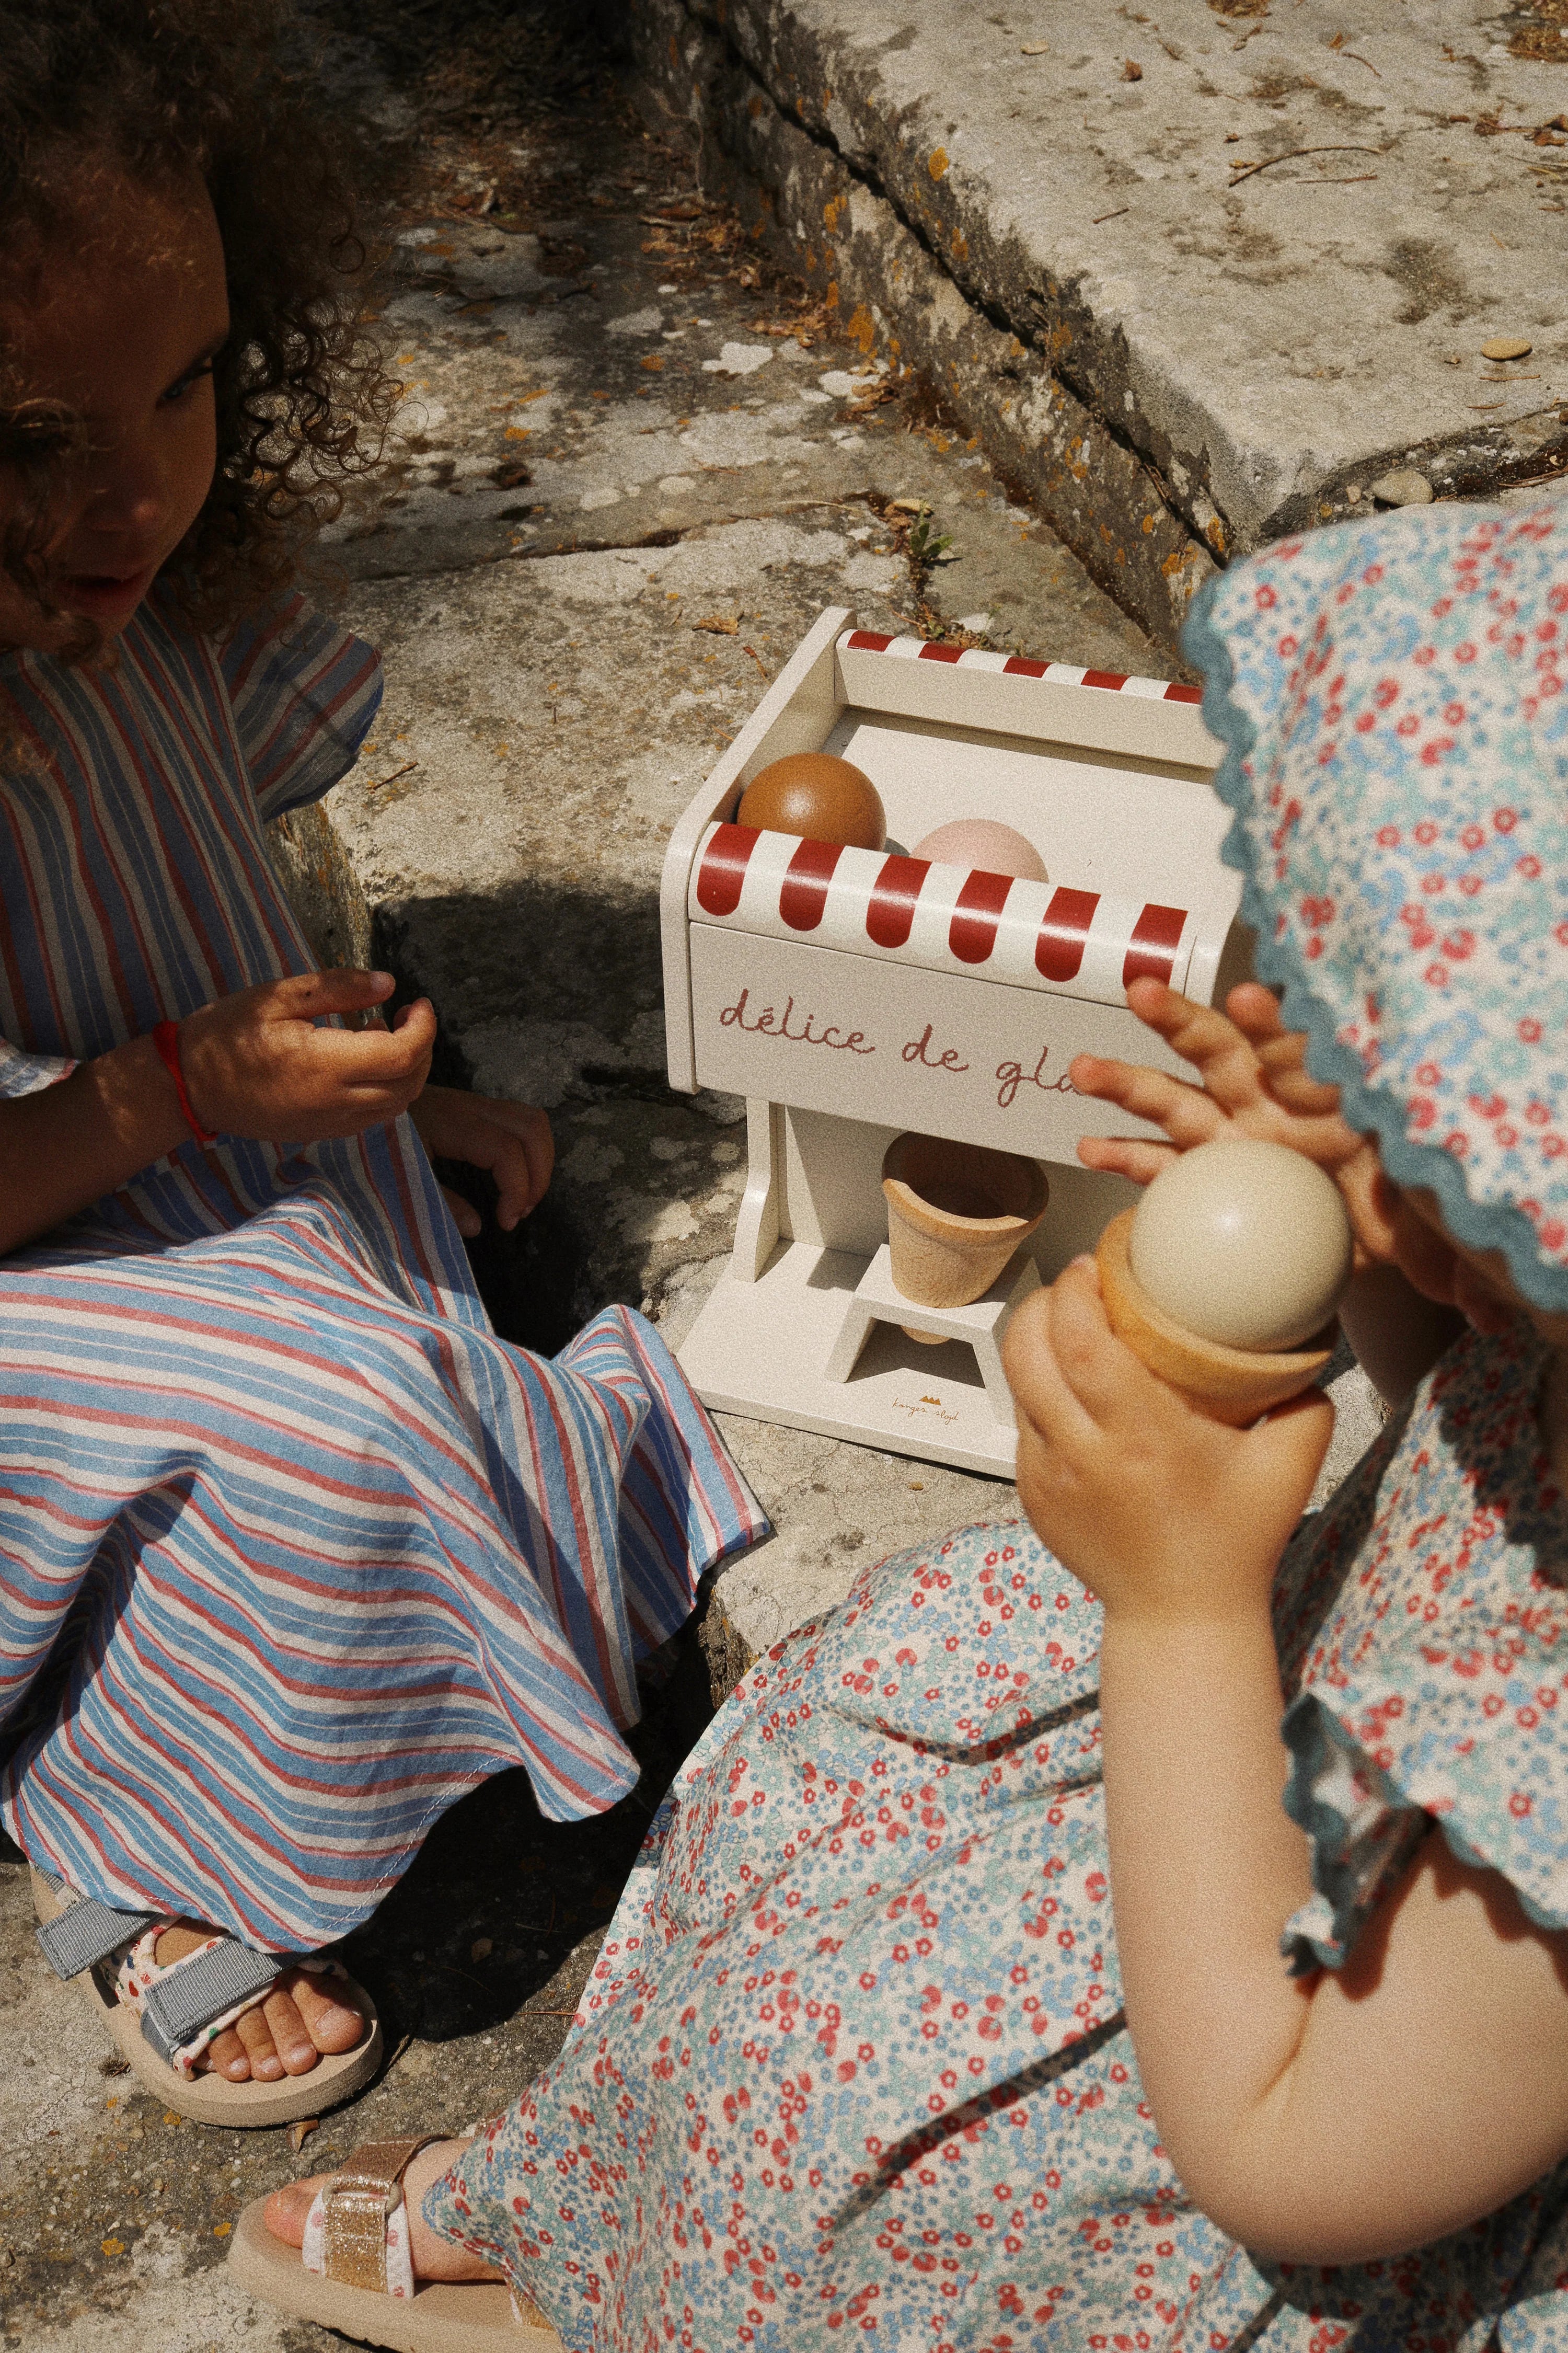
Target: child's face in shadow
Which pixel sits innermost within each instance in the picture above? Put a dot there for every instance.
(1476, 1282)
(117, 322)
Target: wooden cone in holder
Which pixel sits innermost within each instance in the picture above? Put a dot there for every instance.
(956, 1213)
(1233, 1385)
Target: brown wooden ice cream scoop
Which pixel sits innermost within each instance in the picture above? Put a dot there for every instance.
(819, 795)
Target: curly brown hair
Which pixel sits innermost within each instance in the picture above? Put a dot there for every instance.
(160, 89)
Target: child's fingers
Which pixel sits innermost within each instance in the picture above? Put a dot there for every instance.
(1256, 1012)
(1219, 1050)
(1044, 1400)
(1126, 1155)
(528, 1181)
(1297, 1092)
(308, 996)
(376, 1059)
(417, 1020)
(1283, 1055)
(1106, 1378)
(517, 1162)
(464, 1217)
(1253, 1077)
(1184, 1111)
(530, 1158)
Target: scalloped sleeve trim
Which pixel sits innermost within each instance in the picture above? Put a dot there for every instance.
(1364, 1832)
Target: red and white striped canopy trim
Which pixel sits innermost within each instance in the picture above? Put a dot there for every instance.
(1153, 689)
(1045, 936)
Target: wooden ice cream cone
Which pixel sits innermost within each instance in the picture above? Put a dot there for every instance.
(956, 1213)
(1233, 1385)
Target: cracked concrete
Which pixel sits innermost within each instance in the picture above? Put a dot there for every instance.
(1196, 276)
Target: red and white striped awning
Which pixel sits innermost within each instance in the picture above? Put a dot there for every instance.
(1150, 690)
(1045, 936)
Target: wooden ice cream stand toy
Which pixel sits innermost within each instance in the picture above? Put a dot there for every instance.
(885, 1013)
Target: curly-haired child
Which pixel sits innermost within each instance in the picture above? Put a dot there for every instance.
(293, 1550)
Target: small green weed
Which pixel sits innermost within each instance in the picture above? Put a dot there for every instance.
(927, 545)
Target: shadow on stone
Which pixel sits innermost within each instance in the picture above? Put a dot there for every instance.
(497, 1898)
(548, 951)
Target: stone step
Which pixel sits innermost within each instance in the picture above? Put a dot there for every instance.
(1193, 285)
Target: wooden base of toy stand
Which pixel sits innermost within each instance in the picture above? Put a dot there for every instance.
(976, 1324)
(817, 1343)
(1232, 1384)
(806, 1327)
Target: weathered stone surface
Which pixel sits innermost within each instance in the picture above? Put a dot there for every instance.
(1134, 279)
(893, 293)
(323, 888)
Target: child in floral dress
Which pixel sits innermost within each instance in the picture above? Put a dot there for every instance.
(975, 1989)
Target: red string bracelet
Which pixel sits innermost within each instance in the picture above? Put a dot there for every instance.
(166, 1041)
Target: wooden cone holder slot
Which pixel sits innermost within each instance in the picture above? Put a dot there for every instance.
(956, 1215)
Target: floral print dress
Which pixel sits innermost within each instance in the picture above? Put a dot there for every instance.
(852, 2067)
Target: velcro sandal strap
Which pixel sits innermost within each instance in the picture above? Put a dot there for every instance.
(223, 1979)
(86, 1932)
(357, 2204)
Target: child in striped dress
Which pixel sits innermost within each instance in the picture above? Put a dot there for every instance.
(293, 1550)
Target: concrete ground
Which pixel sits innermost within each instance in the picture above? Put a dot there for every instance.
(1198, 272)
(632, 462)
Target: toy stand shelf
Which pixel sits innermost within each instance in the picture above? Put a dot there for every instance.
(850, 997)
(877, 1299)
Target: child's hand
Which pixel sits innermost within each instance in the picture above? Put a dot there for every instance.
(255, 1065)
(1254, 1082)
(512, 1140)
(1160, 1510)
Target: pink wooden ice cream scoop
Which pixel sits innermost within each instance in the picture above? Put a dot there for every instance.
(980, 842)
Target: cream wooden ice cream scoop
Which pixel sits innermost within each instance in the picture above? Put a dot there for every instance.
(1236, 1255)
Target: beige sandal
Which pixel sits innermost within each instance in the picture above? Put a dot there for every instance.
(354, 2272)
(82, 1940)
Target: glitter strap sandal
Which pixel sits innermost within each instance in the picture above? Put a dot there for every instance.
(353, 2272)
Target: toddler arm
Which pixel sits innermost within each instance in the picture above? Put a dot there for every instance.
(65, 1147)
(1397, 1334)
(1332, 2118)
(255, 1065)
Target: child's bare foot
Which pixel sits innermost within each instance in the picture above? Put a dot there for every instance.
(299, 2023)
(432, 2256)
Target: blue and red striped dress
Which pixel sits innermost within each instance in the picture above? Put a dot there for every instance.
(293, 1549)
